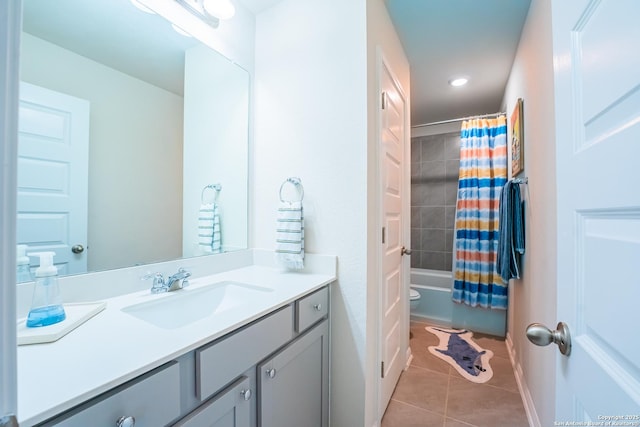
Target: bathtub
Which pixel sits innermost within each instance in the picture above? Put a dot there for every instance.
(437, 307)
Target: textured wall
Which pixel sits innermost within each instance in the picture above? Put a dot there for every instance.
(435, 162)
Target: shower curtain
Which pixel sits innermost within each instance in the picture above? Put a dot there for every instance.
(483, 173)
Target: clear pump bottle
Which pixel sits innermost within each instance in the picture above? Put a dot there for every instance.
(23, 273)
(46, 305)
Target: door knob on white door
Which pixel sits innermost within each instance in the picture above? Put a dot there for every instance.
(77, 249)
(405, 251)
(542, 336)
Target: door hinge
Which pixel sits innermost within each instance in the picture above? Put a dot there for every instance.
(384, 232)
(382, 370)
(384, 100)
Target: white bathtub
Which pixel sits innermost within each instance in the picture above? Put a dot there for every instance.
(437, 307)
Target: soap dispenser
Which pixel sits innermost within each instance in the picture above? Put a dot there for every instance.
(46, 305)
(23, 273)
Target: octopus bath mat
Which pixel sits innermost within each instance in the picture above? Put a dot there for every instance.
(458, 349)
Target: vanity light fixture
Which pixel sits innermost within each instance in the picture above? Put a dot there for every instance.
(180, 30)
(458, 81)
(221, 9)
(142, 7)
(209, 11)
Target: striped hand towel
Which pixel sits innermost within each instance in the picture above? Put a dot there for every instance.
(209, 236)
(290, 235)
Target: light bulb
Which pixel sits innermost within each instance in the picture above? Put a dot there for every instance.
(221, 9)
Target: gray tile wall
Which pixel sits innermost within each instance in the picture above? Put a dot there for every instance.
(435, 162)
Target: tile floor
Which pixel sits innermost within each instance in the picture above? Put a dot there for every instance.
(432, 393)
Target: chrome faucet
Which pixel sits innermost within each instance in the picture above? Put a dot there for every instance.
(171, 283)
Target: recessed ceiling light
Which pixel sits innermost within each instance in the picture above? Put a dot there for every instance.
(458, 81)
(142, 7)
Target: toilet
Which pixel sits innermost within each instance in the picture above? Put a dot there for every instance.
(414, 298)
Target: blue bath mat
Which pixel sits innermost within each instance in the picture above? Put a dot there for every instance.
(458, 349)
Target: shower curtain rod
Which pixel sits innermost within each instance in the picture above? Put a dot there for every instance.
(442, 122)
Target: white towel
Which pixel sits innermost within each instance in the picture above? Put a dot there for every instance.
(290, 235)
(209, 236)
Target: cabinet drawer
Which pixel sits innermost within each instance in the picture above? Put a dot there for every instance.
(221, 361)
(152, 399)
(311, 308)
(230, 407)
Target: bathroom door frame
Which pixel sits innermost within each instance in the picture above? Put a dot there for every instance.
(382, 66)
(10, 25)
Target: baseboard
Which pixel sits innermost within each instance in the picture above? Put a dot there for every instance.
(409, 358)
(527, 401)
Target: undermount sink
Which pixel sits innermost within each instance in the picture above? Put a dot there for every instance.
(180, 308)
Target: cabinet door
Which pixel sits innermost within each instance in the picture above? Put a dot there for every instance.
(229, 408)
(293, 384)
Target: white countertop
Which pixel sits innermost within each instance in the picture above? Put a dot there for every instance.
(114, 347)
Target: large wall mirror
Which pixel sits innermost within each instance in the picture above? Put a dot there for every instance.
(127, 130)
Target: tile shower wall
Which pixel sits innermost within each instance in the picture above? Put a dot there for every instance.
(435, 162)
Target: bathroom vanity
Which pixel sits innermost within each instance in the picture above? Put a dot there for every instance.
(261, 358)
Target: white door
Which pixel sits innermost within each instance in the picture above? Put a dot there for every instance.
(53, 150)
(597, 81)
(393, 295)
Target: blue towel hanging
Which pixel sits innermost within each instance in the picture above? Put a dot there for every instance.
(511, 243)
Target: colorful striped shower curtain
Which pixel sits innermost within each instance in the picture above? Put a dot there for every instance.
(483, 173)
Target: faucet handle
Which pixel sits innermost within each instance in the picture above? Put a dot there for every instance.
(158, 282)
(151, 276)
(184, 272)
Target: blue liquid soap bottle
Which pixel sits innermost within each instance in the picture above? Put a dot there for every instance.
(46, 305)
(23, 273)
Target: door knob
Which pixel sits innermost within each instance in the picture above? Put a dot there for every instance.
(271, 373)
(77, 249)
(542, 336)
(405, 251)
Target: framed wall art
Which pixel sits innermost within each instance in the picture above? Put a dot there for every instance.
(517, 139)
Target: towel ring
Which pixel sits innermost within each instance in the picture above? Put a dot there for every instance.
(216, 187)
(296, 182)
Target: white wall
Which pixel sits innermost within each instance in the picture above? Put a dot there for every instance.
(234, 38)
(216, 126)
(533, 299)
(316, 117)
(135, 155)
(311, 122)
(382, 40)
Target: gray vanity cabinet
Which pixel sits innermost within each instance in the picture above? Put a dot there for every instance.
(229, 408)
(293, 384)
(272, 372)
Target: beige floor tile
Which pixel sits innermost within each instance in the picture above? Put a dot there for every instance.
(495, 344)
(455, 423)
(503, 376)
(422, 388)
(484, 406)
(400, 414)
(419, 332)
